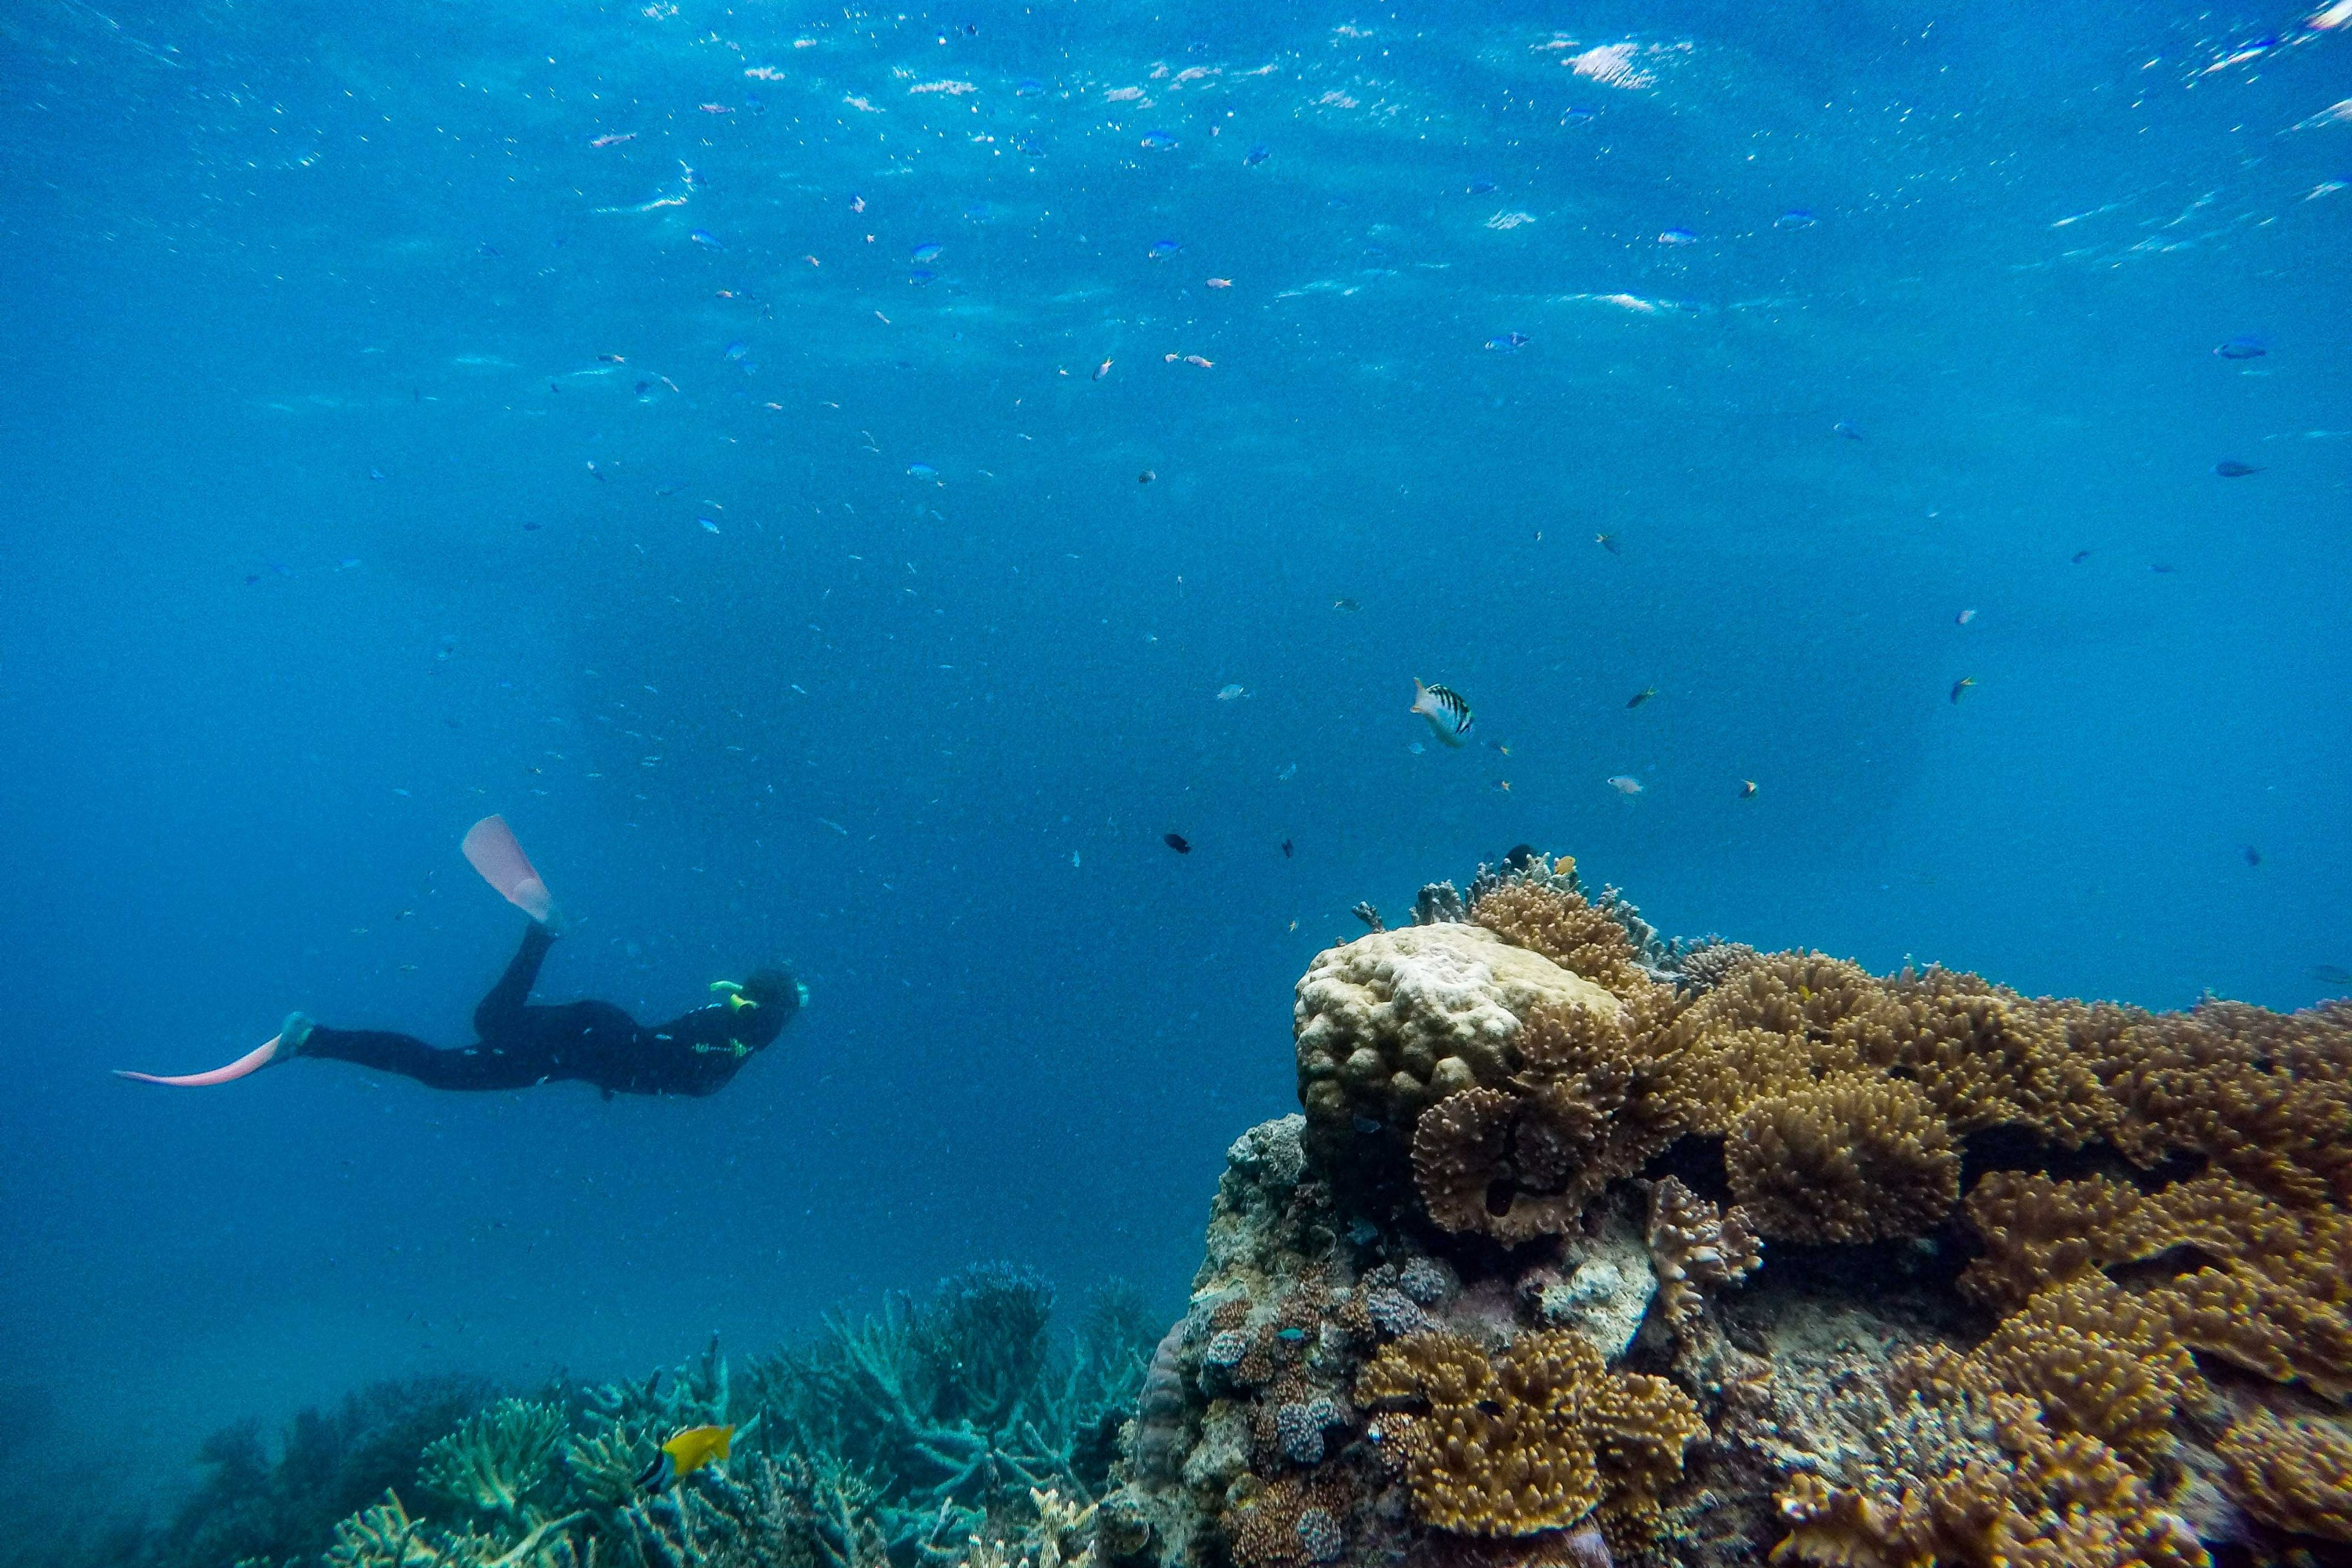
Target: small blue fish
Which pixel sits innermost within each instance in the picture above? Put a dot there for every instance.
(922, 471)
(703, 237)
(376, 474)
(928, 251)
(1159, 142)
(1162, 249)
(1508, 343)
(2242, 348)
(1677, 237)
(1028, 87)
(734, 351)
(2231, 468)
(1848, 428)
(707, 525)
(1478, 187)
(1256, 155)
(1290, 1336)
(1795, 217)
(922, 275)
(1576, 116)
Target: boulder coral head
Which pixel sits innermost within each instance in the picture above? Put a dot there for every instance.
(1398, 1021)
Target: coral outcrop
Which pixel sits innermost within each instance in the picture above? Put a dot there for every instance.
(1586, 1249)
(1592, 1248)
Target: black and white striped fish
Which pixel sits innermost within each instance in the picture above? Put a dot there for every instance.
(1448, 715)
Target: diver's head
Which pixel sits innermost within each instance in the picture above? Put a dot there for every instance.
(773, 987)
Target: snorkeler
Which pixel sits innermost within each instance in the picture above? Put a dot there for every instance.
(520, 1045)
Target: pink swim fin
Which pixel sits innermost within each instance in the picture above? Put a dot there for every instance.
(490, 846)
(251, 1062)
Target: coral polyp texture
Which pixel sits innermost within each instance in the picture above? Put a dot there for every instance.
(1591, 1249)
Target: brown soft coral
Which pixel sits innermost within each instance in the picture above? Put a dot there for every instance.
(1552, 917)
(1987, 1056)
(1530, 1441)
(1588, 1107)
(2293, 1472)
(2265, 1096)
(2273, 1298)
(2038, 1231)
(1491, 1448)
(2059, 1502)
(1692, 1245)
(1855, 1159)
(1809, 995)
(2101, 1362)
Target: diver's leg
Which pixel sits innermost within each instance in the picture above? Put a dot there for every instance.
(475, 1067)
(499, 1011)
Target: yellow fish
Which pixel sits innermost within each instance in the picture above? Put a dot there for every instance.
(685, 1454)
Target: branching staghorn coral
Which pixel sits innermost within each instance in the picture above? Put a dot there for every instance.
(384, 1536)
(495, 1459)
(962, 1402)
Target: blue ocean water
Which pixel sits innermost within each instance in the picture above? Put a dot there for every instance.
(844, 484)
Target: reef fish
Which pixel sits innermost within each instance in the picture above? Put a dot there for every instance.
(1962, 684)
(2231, 468)
(2242, 348)
(1641, 697)
(1178, 842)
(685, 1454)
(1449, 716)
(1625, 783)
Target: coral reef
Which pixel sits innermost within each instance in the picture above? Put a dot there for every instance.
(2021, 1283)
(1588, 1249)
(936, 1432)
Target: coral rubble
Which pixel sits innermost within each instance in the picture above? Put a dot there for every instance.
(1592, 1249)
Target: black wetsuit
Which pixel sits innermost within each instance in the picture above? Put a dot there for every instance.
(593, 1042)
